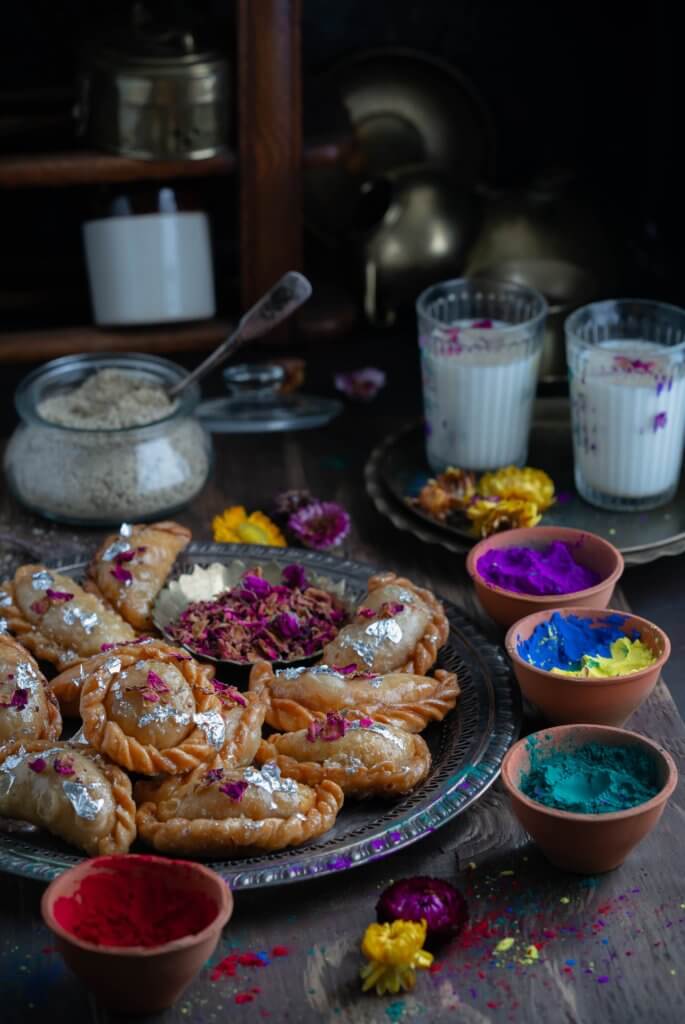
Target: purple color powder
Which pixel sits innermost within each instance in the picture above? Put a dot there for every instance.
(550, 570)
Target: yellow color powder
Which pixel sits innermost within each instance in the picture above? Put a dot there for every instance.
(626, 656)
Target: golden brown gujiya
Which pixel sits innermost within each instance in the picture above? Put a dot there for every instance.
(70, 791)
(398, 627)
(300, 696)
(56, 619)
(364, 757)
(27, 707)
(152, 708)
(233, 812)
(130, 568)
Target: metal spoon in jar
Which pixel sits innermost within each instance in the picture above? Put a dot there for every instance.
(284, 298)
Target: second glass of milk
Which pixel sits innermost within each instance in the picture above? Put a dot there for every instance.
(626, 361)
(480, 347)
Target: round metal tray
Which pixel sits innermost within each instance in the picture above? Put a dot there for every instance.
(467, 747)
(397, 469)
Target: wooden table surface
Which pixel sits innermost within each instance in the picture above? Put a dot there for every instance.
(611, 948)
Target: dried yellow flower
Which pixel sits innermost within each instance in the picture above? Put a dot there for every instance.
(491, 516)
(450, 491)
(234, 526)
(525, 484)
(395, 952)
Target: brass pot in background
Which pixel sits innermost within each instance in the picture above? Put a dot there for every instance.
(420, 226)
(544, 236)
(565, 286)
(153, 93)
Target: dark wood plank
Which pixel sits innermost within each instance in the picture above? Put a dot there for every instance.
(270, 142)
(49, 343)
(637, 909)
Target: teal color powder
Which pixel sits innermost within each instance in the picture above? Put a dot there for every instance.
(592, 779)
(561, 641)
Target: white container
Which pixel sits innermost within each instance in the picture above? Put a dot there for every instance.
(626, 363)
(479, 372)
(150, 268)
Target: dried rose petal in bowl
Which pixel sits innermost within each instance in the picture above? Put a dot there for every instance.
(257, 619)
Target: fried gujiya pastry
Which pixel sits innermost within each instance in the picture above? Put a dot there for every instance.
(130, 568)
(27, 707)
(221, 811)
(56, 619)
(70, 791)
(299, 696)
(151, 708)
(364, 757)
(399, 627)
(67, 685)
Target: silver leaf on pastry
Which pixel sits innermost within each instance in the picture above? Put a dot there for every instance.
(41, 580)
(80, 799)
(212, 725)
(385, 629)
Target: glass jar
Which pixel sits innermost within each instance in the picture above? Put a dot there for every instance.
(103, 477)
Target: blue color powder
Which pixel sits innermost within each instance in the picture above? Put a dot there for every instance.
(590, 779)
(561, 641)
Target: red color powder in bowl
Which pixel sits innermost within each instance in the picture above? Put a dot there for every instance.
(136, 929)
(127, 906)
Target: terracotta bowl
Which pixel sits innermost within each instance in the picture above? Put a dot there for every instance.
(505, 607)
(139, 979)
(565, 699)
(586, 843)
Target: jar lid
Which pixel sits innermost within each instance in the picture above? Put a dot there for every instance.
(255, 404)
(144, 43)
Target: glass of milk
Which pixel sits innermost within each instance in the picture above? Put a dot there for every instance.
(626, 364)
(480, 347)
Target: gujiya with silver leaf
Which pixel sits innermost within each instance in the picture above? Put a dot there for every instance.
(210, 780)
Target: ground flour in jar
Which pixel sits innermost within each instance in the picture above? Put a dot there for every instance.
(97, 471)
(108, 400)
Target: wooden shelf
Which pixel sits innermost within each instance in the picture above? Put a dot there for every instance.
(85, 167)
(49, 343)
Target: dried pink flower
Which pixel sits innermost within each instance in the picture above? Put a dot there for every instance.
(320, 526)
(361, 385)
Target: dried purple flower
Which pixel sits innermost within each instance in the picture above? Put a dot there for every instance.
(59, 595)
(320, 526)
(294, 576)
(361, 385)
(288, 625)
(441, 905)
(213, 775)
(234, 790)
(38, 765)
(257, 585)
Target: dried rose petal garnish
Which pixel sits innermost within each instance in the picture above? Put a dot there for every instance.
(63, 766)
(234, 790)
(18, 700)
(150, 696)
(390, 608)
(260, 620)
(213, 775)
(121, 574)
(334, 728)
(156, 682)
(366, 723)
(38, 765)
(59, 595)
(226, 692)
(40, 607)
(366, 613)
